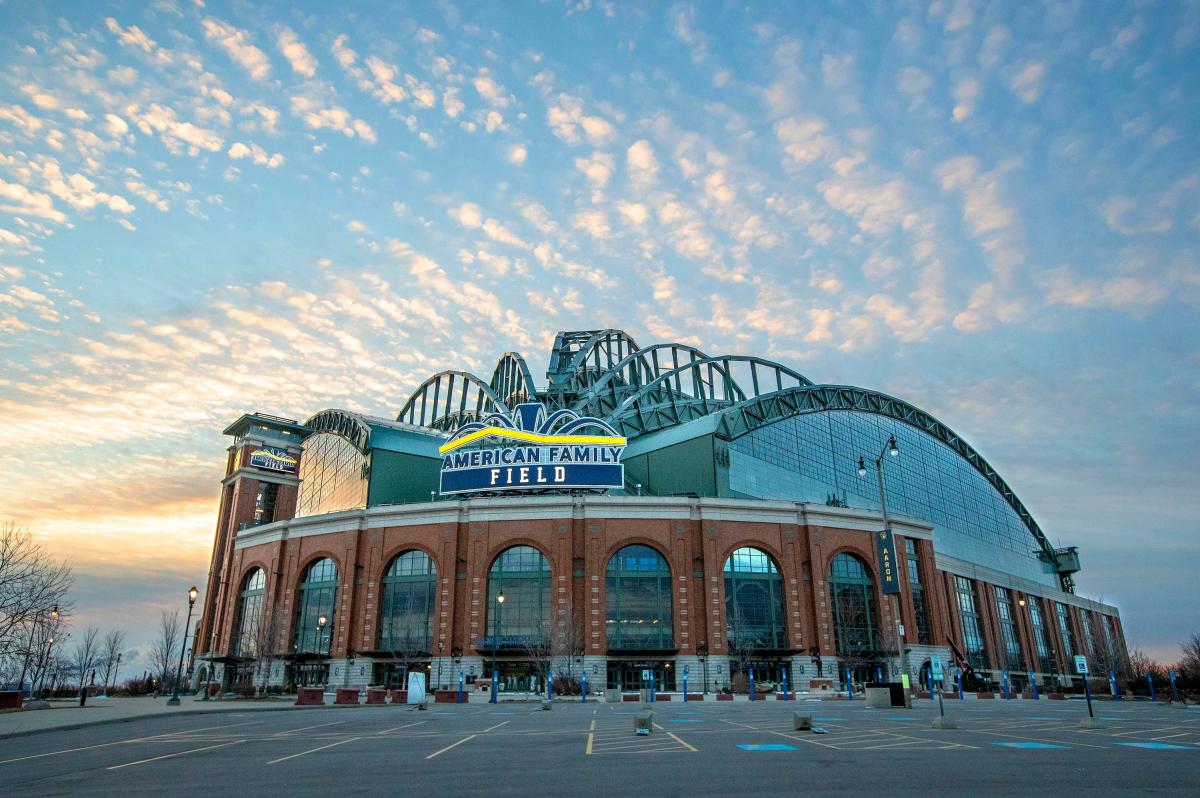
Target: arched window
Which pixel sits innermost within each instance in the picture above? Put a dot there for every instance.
(852, 594)
(318, 592)
(522, 574)
(638, 600)
(754, 616)
(406, 603)
(249, 617)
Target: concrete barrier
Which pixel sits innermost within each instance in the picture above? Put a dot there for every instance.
(376, 695)
(310, 696)
(802, 721)
(346, 695)
(11, 699)
(399, 696)
(724, 696)
(695, 696)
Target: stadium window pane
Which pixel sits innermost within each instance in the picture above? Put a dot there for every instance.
(638, 600)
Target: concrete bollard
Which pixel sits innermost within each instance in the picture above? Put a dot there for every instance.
(643, 722)
(547, 705)
(1091, 723)
(942, 722)
(802, 721)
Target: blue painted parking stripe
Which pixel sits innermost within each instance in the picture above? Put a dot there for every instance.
(899, 718)
(827, 720)
(766, 747)
(1029, 745)
(685, 720)
(1160, 746)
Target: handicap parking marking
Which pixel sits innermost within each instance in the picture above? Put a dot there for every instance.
(1029, 745)
(766, 747)
(1159, 746)
(686, 720)
(900, 717)
(827, 720)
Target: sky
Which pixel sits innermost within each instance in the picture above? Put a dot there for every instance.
(990, 210)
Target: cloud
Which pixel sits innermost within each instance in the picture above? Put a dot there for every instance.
(236, 43)
(452, 103)
(804, 140)
(468, 214)
(641, 162)
(296, 53)
(569, 122)
(256, 154)
(517, 154)
(318, 114)
(966, 92)
(594, 223)
(1027, 83)
(597, 168)
(1062, 286)
(489, 89)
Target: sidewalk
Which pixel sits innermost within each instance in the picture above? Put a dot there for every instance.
(68, 714)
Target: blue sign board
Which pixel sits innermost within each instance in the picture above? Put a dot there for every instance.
(273, 459)
(535, 452)
(889, 576)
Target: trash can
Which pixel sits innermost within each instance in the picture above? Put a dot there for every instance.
(643, 722)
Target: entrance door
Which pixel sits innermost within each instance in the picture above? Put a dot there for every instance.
(636, 675)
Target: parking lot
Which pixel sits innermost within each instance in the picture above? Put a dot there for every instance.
(711, 748)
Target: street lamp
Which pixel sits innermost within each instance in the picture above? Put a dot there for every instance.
(321, 621)
(702, 653)
(889, 448)
(174, 700)
(441, 651)
(496, 640)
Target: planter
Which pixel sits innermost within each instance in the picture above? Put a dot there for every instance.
(662, 696)
(448, 697)
(630, 697)
(11, 699)
(310, 696)
(695, 697)
(400, 696)
(782, 697)
(724, 696)
(376, 695)
(1056, 696)
(950, 694)
(346, 695)
(985, 696)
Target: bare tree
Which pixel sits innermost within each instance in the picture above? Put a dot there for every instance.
(540, 653)
(32, 584)
(1190, 663)
(271, 625)
(110, 651)
(165, 649)
(85, 656)
(744, 645)
(567, 649)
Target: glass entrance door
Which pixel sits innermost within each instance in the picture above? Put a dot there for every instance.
(634, 675)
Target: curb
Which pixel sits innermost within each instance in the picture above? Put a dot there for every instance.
(130, 719)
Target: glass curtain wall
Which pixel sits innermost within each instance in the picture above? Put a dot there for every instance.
(318, 592)
(522, 573)
(1064, 628)
(1085, 623)
(407, 596)
(918, 591)
(1045, 660)
(637, 588)
(333, 476)
(754, 616)
(1014, 659)
(250, 615)
(972, 638)
(852, 594)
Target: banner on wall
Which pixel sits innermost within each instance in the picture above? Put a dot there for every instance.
(889, 575)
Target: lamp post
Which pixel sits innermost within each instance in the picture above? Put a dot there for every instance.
(117, 670)
(496, 641)
(889, 449)
(174, 699)
(702, 653)
(29, 649)
(321, 621)
(441, 649)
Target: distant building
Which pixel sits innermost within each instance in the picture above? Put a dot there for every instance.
(689, 515)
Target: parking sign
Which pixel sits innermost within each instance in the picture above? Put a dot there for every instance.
(935, 667)
(1081, 665)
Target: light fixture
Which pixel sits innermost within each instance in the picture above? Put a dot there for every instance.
(54, 612)
(893, 450)
(862, 468)
(192, 595)
(500, 597)
(1021, 601)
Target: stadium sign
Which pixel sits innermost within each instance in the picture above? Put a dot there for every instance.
(562, 450)
(273, 459)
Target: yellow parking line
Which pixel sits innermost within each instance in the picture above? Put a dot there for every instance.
(681, 742)
(452, 745)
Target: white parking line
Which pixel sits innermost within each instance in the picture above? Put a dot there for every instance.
(177, 753)
(397, 728)
(312, 750)
(155, 737)
(306, 728)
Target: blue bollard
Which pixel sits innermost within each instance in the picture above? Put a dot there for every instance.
(783, 673)
(1174, 692)
(1033, 686)
(651, 687)
(460, 686)
(1004, 681)
(752, 684)
(878, 674)
(1150, 681)
(1112, 685)
(849, 686)
(550, 686)
(958, 678)
(495, 679)
(685, 688)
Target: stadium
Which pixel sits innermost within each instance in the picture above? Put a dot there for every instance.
(648, 514)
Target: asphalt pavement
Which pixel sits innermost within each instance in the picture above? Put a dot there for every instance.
(1001, 748)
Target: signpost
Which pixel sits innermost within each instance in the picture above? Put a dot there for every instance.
(1081, 667)
(935, 675)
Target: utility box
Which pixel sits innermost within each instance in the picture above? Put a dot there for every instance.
(802, 721)
(643, 722)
